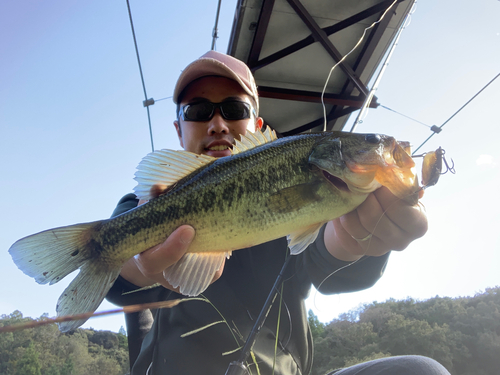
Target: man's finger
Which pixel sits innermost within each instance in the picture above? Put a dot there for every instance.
(411, 219)
(156, 259)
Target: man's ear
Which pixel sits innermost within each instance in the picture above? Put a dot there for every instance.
(179, 132)
(258, 123)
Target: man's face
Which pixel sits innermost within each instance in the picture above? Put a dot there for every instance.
(216, 136)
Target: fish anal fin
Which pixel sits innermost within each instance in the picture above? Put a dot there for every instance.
(85, 293)
(299, 240)
(295, 197)
(194, 272)
(161, 169)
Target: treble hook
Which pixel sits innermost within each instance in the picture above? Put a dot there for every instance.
(432, 167)
(448, 168)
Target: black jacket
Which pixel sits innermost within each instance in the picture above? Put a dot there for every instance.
(234, 301)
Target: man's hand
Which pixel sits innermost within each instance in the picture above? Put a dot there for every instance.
(146, 268)
(382, 223)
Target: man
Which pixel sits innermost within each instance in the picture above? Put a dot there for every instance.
(217, 101)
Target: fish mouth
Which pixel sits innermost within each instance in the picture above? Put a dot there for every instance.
(401, 155)
(335, 181)
(399, 175)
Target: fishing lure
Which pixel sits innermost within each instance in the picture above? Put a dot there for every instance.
(432, 167)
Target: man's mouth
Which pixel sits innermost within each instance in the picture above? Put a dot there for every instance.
(218, 148)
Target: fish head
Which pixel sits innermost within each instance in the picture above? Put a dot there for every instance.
(364, 162)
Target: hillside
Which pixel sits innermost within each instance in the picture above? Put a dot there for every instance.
(461, 333)
(46, 351)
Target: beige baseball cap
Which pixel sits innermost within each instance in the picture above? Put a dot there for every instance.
(215, 63)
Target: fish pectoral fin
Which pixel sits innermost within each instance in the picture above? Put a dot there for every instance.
(298, 241)
(85, 293)
(164, 168)
(294, 197)
(194, 272)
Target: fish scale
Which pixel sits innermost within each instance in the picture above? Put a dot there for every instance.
(213, 196)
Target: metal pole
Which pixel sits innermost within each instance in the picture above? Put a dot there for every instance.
(370, 95)
(215, 33)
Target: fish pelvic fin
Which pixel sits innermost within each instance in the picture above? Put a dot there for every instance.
(251, 140)
(194, 272)
(85, 293)
(165, 168)
(298, 241)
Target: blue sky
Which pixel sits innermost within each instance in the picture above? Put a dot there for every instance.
(73, 130)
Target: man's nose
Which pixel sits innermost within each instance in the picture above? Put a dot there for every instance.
(217, 124)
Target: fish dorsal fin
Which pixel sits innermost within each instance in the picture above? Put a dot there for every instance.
(165, 168)
(251, 140)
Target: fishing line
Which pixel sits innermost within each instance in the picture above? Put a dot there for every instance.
(353, 262)
(168, 97)
(408, 117)
(364, 253)
(366, 105)
(289, 316)
(470, 100)
(345, 56)
(238, 367)
(277, 329)
(345, 266)
(405, 24)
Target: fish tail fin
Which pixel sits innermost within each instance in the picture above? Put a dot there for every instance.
(51, 255)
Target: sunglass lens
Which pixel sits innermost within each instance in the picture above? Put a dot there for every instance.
(204, 111)
(199, 111)
(235, 110)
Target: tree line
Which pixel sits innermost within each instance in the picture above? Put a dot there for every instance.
(46, 351)
(463, 334)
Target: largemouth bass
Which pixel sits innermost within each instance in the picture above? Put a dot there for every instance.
(268, 188)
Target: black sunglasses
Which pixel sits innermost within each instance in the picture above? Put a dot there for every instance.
(204, 111)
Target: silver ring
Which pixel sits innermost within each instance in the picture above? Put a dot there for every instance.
(363, 239)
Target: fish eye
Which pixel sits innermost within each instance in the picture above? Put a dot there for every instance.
(373, 138)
